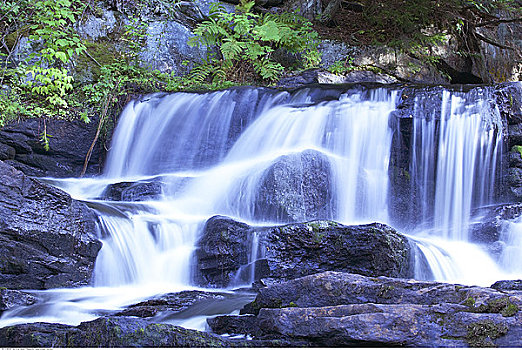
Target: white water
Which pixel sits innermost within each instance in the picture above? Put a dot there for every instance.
(213, 150)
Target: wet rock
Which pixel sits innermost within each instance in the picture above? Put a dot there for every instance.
(487, 223)
(508, 285)
(12, 298)
(509, 101)
(296, 188)
(47, 238)
(222, 250)
(335, 309)
(66, 155)
(295, 250)
(133, 191)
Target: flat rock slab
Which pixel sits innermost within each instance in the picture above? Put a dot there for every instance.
(334, 309)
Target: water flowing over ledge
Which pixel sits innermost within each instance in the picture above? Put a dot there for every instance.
(267, 157)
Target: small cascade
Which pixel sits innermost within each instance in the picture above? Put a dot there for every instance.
(454, 158)
(511, 257)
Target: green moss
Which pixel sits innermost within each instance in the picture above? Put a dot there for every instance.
(517, 148)
(501, 305)
(470, 302)
(509, 310)
(482, 333)
(101, 52)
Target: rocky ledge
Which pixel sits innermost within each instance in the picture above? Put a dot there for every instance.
(47, 239)
(334, 309)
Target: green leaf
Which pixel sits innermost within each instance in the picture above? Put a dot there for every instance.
(61, 55)
(269, 32)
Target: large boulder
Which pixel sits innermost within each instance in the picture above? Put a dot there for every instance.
(296, 188)
(48, 240)
(296, 250)
(334, 309)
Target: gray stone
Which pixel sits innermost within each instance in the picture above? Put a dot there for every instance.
(166, 48)
(96, 27)
(48, 240)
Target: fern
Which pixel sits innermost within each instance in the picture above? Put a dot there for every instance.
(245, 39)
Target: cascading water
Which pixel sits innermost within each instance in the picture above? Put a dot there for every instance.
(210, 153)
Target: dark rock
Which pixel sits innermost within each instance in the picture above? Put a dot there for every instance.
(509, 101)
(296, 188)
(508, 285)
(107, 332)
(297, 250)
(69, 144)
(295, 81)
(6, 152)
(335, 309)
(222, 249)
(132, 332)
(515, 159)
(46, 335)
(244, 324)
(12, 298)
(513, 180)
(514, 135)
(47, 238)
(487, 223)
(133, 191)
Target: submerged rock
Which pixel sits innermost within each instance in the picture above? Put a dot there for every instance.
(487, 223)
(296, 188)
(133, 191)
(47, 239)
(12, 298)
(334, 309)
(296, 250)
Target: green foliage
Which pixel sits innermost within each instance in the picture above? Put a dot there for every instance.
(38, 86)
(342, 66)
(246, 42)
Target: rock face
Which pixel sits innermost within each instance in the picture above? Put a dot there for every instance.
(47, 238)
(339, 309)
(297, 188)
(20, 147)
(296, 250)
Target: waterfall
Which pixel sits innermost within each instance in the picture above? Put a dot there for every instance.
(454, 158)
(214, 153)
